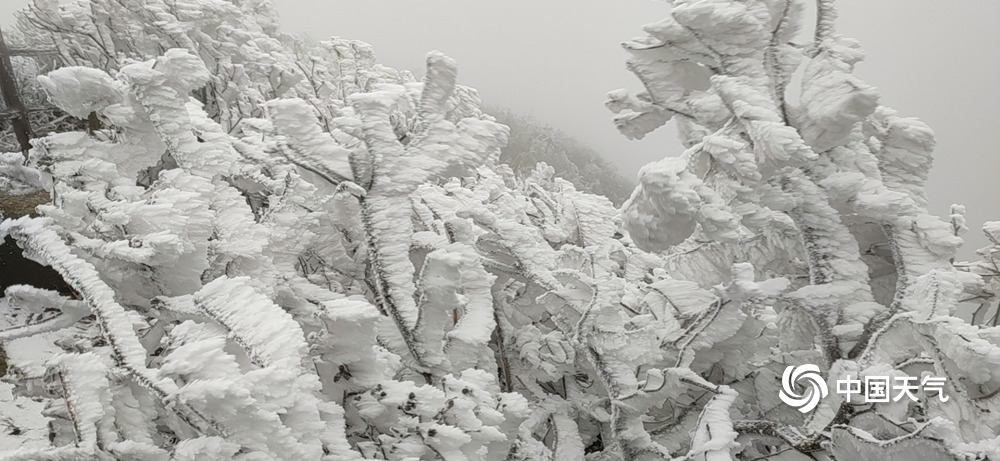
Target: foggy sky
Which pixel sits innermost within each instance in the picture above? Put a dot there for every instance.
(556, 60)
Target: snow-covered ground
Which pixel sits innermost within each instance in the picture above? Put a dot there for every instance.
(21, 422)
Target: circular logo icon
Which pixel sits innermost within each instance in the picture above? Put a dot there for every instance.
(810, 379)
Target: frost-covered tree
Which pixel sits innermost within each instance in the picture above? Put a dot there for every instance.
(348, 272)
(238, 41)
(987, 300)
(823, 188)
(211, 316)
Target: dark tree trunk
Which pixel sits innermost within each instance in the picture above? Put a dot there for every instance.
(12, 99)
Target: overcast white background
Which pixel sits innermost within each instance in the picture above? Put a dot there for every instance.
(556, 59)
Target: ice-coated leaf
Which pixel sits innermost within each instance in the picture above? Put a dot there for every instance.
(662, 211)
(204, 448)
(307, 146)
(728, 27)
(33, 301)
(676, 301)
(439, 84)
(470, 335)
(834, 101)
(84, 380)
(715, 438)
(568, 445)
(270, 335)
(636, 125)
(350, 338)
(81, 90)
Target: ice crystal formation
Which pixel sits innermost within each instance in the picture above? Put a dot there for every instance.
(281, 250)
